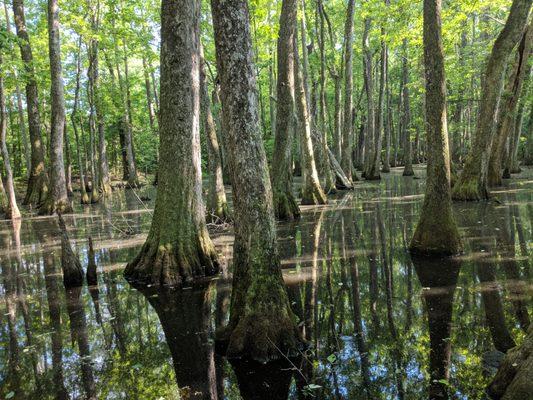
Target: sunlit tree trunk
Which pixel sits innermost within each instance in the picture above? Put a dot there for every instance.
(436, 232)
(347, 131)
(472, 183)
(406, 116)
(178, 247)
(262, 325)
(57, 199)
(285, 206)
(38, 182)
(217, 206)
(12, 210)
(370, 109)
(508, 107)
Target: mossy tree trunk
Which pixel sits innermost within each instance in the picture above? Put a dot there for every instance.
(508, 107)
(217, 206)
(12, 210)
(436, 232)
(406, 116)
(262, 325)
(57, 200)
(312, 192)
(347, 131)
(178, 247)
(473, 183)
(285, 206)
(38, 181)
(70, 265)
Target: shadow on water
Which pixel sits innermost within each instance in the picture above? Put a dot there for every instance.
(380, 325)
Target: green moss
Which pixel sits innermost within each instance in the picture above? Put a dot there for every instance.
(468, 189)
(436, 237)
(285, 207)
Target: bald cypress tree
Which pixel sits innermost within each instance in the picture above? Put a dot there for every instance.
(262, 325)
(436, 232)
(178, 247)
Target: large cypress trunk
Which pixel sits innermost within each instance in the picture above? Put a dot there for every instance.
(346, 152)
(38, 180)
(217, 206)
(178, 248)
(262, 325)
(370, 110)
(57, 199)
(284, 202)
(436, 232)
(510, 100)
(473, 183)
(12, 210)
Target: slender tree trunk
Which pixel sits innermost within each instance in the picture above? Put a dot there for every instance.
(369, 88)
(262, 325)
(178, 247)
(68, 167)
(347, 131)
(285, 206)
(472, 183)
(436, 232)
(406, 116)
(217, 206)
(511, 166)
(149, 97)
(508, 105)
(12, 210)
(312, 192)
(57, 199)
(38, 181)
(84, 199)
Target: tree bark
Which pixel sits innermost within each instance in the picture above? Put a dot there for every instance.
(12, 210)
(312, 192)
(347, 131)
(436, 232)
(406, 116)
(217, 206)
(262, 325)
(57, 199)
(508, 105)
(370, 117)
(285, 206)
(473, 183)
(178, 247)
(38, 182)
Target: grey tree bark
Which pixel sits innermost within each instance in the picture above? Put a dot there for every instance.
(406, 116)
(436, 232)
(473, 180)
(178, 248)
(38, 182)
(262, 325)
(285, 206)
(370, 113)
(57, 200)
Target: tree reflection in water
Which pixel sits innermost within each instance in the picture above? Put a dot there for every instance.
(379, 325)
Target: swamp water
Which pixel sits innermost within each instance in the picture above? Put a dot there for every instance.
(379, 324)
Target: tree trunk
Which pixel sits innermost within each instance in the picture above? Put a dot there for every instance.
(472, 183)
(312, 192)
(436, 232)
(508, 105)
(68, 168)
(84, 199)
(178, 247)
(285, 206)
(70, 265)
(262, 325)
(347, 132)
(38, 182)
(370, 117)
(57, 199)
(12, 210)
(149, 97)
(406, 116)
(217, 206)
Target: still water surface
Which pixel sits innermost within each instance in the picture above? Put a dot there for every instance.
(380, 325)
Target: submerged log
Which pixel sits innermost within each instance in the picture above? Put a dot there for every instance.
(92, 279)
(514, 379)
(72, 271)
